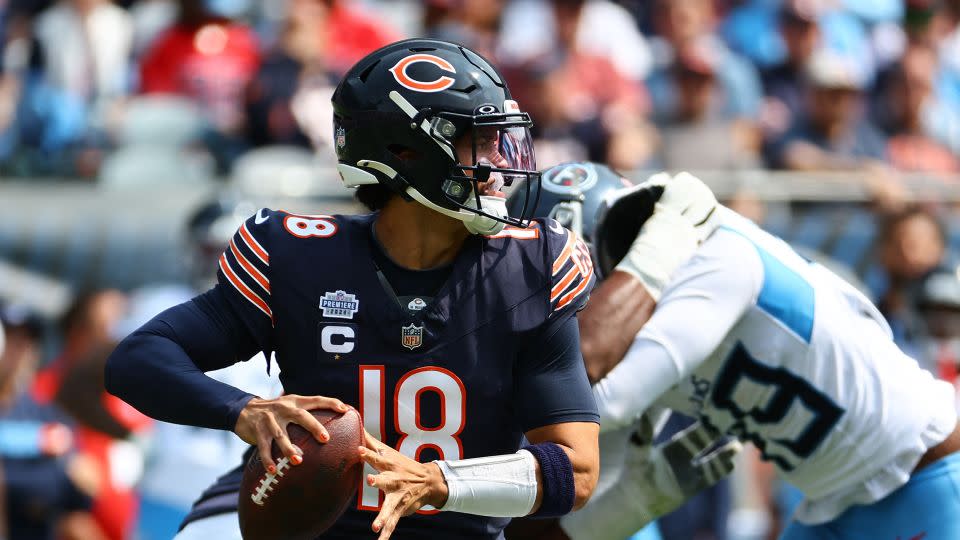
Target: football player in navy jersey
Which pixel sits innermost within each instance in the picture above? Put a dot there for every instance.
(448, 324)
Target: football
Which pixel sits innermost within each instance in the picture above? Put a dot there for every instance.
(302, 501)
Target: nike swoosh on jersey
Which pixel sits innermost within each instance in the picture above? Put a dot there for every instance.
(261, 217)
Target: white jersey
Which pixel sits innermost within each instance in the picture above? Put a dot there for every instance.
(762, 344)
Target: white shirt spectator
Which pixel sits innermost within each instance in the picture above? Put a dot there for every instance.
(86, 55)
(605, 29)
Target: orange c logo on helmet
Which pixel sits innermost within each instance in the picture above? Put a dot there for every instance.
(399, 73)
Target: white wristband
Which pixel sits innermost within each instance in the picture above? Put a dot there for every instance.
(666, 241)
(497, 486)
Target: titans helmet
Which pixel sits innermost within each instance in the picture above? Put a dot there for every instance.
(573, 194)
(402, 112)
(577, 195)
(208, 231)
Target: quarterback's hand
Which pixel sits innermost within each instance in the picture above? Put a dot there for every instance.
(407, 484)
(655, 480)
(682, 218)
(263, 421)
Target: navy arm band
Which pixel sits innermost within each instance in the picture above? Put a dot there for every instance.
(557, 474)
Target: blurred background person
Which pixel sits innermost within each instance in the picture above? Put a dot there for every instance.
(210, 59)
(66, 68)
(698, 135)
(908, 100)
(352, 32)
(106, 141)
(833, 133)
(474, 23)
(910, 244)
(938, 306)
(530, 28)
(584, 106)
(783, 83)
(85, 47)
(48, 486)
(290, 92)
(102, 423)
(679, 22)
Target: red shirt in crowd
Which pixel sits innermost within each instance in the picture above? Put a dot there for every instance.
(352, 34)
(210, 63)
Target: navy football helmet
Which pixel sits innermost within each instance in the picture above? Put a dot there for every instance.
(207, 233)
(399, 114)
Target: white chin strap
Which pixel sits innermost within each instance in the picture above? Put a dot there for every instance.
(475, 223)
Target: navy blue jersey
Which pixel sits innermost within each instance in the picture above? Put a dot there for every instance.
(460, 377)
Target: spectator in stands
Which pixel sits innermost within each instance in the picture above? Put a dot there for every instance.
(85, 326)
(604, 28)
(435, 14)
(908, 96)
(352, 33)
(210, 59)
(678, 22)
(559, 136)
(291, 74)
(938, 307)
(86, 46)
(66, 66)
(47, 486)
(912, 243)
(937, 25)
(833, 134)
(699, 137)
(87, 334)
(474, 23)
(783, 82)
(582, 104)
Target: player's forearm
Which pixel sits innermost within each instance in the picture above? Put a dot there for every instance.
(579, 442)
(159, 369)
(645, 373)
(155, 375)
(617, 310)
(549, 478)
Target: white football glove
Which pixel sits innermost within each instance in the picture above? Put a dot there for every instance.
(655, 480)
(681, 220)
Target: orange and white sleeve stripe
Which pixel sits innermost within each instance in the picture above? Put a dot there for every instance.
(245, 266)
(572, 273)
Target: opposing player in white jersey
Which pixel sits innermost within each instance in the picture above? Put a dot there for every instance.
(761, 344)
(689, 461)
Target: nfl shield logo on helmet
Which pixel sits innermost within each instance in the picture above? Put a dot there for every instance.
(341, 138)
(412, 336)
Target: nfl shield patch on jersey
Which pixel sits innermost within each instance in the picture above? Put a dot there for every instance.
(412, 336)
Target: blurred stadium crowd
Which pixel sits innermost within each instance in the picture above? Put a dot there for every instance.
(158, 93)
(696, 84)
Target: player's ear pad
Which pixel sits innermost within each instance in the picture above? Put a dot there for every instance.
(619, 222)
